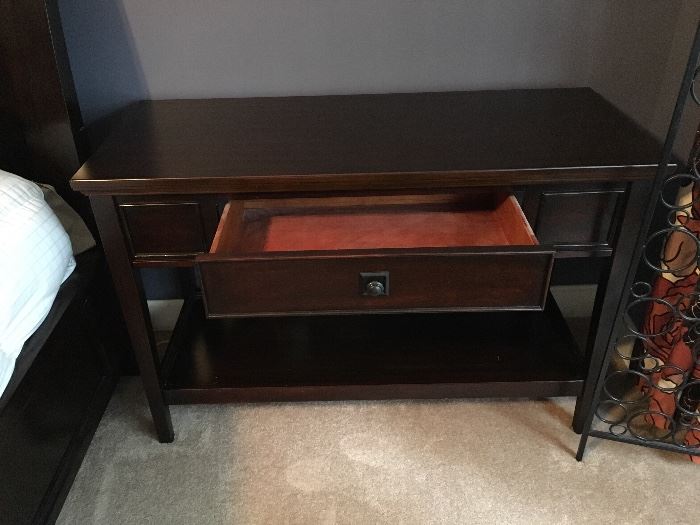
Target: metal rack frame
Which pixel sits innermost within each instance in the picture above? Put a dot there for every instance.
(618, 405)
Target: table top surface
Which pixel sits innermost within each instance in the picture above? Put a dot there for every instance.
(365, 142)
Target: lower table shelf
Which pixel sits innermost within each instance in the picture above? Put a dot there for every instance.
(505, 354)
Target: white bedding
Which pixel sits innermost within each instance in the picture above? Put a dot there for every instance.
(35, 258)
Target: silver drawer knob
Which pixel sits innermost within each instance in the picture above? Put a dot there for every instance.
(375, 288)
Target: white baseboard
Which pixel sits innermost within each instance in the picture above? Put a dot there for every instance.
(575, 300)
(164, 313)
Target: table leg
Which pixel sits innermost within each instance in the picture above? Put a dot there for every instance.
(133, 304)
(604, 321)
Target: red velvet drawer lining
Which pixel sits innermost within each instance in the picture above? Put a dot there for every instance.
(384, 230)
(485, 219)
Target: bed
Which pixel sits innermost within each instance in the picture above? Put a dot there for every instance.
(36, 258)
(62, 377)
(58, 389)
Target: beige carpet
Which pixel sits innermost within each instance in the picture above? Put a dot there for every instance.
(413, 462)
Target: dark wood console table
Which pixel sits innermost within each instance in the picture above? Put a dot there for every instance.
(449, 209)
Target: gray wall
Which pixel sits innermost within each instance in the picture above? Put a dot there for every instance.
(641, 49)
(630, 51)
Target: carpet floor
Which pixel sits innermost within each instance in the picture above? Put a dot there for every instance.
(397, 462)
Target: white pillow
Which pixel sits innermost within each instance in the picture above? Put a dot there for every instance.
(35, 258)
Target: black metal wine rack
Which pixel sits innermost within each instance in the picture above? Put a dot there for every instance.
(623, 406)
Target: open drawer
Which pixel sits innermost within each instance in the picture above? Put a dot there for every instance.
(452, 252)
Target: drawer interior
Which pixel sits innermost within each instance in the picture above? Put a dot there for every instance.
(483, 218)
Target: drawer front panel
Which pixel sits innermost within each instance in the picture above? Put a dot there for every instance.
(170, 228)
(446, 281)
(167, 228)
(576, 222)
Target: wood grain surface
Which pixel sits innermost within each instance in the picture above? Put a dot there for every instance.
(365, 142)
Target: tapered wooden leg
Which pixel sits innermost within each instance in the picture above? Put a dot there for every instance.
(605, 323)
(133, 304)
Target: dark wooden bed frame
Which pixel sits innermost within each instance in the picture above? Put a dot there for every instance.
(67, 370)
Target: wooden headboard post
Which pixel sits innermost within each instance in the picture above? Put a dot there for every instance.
(38, 99)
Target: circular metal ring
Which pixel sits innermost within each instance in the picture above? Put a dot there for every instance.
(695, 328)
(679, 371)
(694, 385)
(691, 178)
(631, 339)
(672, 217)
(617, 430)
(693, 94)
(640, 289)
(619, 374)
(694, 302)
(664, 234)
(681, 434)
(685, 420)
(643, 300)
(644, 413)
(610, 403)
(646, 367)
